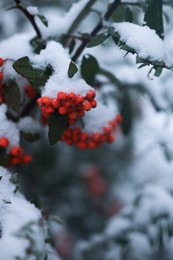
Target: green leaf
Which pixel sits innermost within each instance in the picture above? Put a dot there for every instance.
(89, 68)
(36, 45)
(12, 95)
(158, 71)
(43, 19)
(57, 125)
(72, 69)
(129, 15)
(126, 112)
(98, 39)
(153, 16)
(36, 77)
(143, 65)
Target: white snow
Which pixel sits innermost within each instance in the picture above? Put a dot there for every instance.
(60, 23)
(16, 212)
(32, 10)
(144, 40)
(56, 56)
(99, 117)
(29, 125)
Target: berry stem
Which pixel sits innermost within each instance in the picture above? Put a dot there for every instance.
(98, 27)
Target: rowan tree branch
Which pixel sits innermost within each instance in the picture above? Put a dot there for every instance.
(98, 27)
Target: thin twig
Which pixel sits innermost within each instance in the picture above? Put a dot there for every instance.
(30, 17)
(98, 27)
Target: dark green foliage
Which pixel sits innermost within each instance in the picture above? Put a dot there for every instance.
(89, 68)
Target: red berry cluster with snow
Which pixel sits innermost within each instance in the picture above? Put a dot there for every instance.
(98, 126)
(9, 140)
(72, 98)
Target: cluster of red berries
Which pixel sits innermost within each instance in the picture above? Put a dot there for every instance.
(29, 91)
(70, 105)
(83, 140)
(16, 153)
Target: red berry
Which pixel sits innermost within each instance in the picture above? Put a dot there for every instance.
(71, 97)
(4, 142)
(90, 95)
(72, 115)
(1, 62)
(81, 113)
(81, 145)
(87, 106)
(62, 110)
(62, 96)
(27, 158)
(1, 75)
(119, 119)
(79, 100)
(45, 101)
(15, 160)
(93, 103)
(30, 92)
(55, 103)
(16, 151)
(111, 139)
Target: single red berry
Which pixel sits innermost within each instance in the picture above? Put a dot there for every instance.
(49, 110)
(30, 91)
(27, 158)
(45, 101)
(84, 137)
(87, 106)
(68, 133)
(90, 95)
(16, 151)
(1, 62)
(55, 103)
(1, 75)
(119, 119)
(72, 115)
(81, 145)
(80, 113)
(95, 137)
(15, 160)
(71, 121)
(79, 100)
(111, 139)
(69, 141)
(93, 103)
(71, 97)
(62, 110)
(92, 145)
(38, 101)
(62, 96)
(4, 142)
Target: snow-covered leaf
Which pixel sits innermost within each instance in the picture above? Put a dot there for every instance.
(36, 77)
